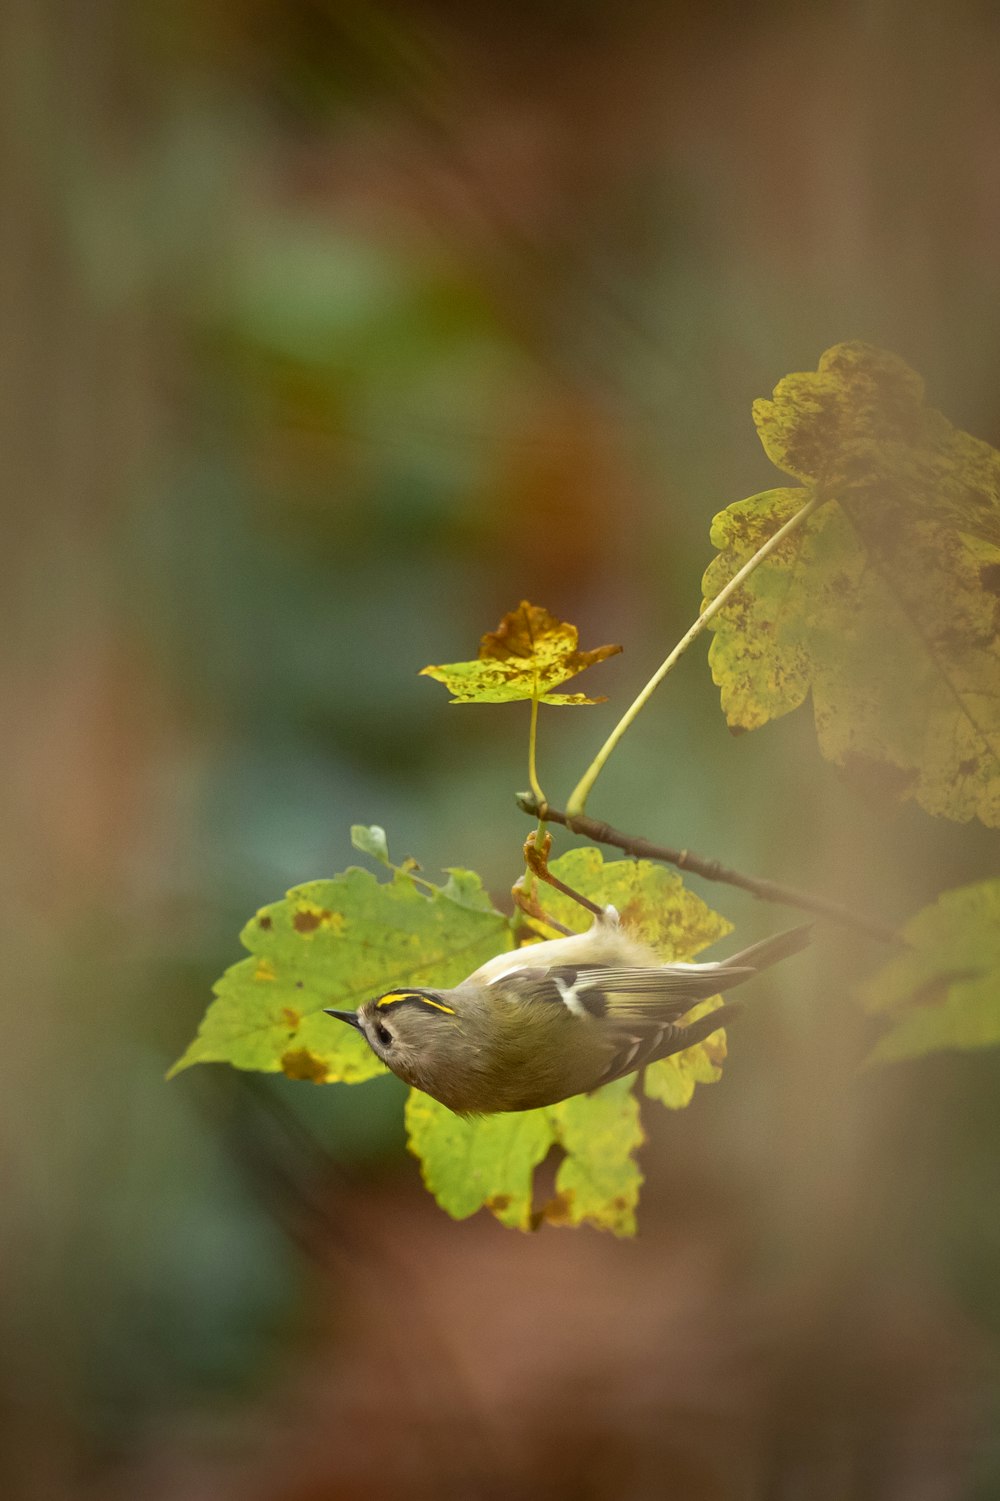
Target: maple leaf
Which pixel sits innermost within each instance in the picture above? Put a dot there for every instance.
(490, 1162)
(883, 604)
(530, 653)
(337, 943)
(857, 427)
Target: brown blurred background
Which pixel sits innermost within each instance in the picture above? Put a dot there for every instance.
(331, 330)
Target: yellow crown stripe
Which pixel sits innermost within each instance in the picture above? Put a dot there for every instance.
(395, 996)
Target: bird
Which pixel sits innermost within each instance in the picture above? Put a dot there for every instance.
(550, 1020)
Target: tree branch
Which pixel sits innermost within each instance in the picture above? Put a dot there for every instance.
(711, 870)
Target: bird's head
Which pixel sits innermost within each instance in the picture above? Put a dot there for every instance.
(403, 1028)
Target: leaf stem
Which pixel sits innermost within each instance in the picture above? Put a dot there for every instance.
(578, 798)
(532, 771)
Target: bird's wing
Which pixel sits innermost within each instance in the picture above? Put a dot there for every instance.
(667, 992)
(640, 1009)
(649, 1042)
(634, 997)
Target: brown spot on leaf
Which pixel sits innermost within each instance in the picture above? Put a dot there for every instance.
(264, 922)
(306, 922)
(966, 768)
(989, 577)
(559, 1210)
(292, 1017)
(498, 1203)
(631, 913)
(530, 630)
(299, 1063)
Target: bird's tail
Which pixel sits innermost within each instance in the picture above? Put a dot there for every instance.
(769, 951)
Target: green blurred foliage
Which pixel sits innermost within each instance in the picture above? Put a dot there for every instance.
(943, 991)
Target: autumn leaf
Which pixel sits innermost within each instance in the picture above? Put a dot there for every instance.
(337, 943)
(598, 1180)
(943, 990)
(529, 654)
(884, 603)
(490, 1162)
(857, 427)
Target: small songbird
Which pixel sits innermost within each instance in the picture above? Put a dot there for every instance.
(554, 1019)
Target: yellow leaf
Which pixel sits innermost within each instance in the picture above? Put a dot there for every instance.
(529, 654)
(884, 603)
(858, 425)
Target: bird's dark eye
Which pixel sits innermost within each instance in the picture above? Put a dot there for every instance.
(383, 1034)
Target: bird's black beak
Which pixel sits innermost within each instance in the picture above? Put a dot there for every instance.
(350, 1017)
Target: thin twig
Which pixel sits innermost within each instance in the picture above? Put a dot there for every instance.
(711, 870)
(536, 857)
(529, 906)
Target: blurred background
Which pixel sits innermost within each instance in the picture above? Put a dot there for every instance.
(331, 329)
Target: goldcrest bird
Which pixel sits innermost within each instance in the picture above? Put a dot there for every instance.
(554, 1019)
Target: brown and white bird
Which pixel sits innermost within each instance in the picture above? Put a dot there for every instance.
(554, 1019)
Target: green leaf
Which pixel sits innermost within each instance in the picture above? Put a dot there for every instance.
(529, 654)
(469, 1164)
(883, 604)
(336, 943)
(944, 990)
(371, 840)
(490, 1162)
(465, 889)
(598, 1181)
